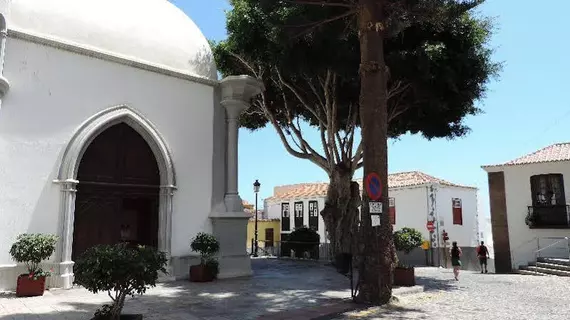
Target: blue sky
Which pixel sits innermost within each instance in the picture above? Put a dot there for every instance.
(525, 109)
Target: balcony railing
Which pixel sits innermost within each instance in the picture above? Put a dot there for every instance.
(556, 216)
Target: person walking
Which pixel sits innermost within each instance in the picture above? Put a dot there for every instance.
(456, 259)
(483, 255)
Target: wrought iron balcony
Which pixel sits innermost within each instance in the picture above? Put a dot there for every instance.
(553, 217)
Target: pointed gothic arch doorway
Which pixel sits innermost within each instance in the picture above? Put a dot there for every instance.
(118, 191)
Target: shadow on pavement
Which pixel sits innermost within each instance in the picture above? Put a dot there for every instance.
(277, 285)
(433, 284)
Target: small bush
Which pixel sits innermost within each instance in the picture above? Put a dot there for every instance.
(407, 239)
(32, 249)
(119, 270)
(303, 240)
(206, 245)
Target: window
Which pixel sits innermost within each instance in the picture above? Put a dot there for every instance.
(314, 215)
(392, 210)
(547, 190)
(457, 211)
(298, 214)
(285, 220)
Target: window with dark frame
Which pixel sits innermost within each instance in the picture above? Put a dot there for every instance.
(547, 190)
(314, 215)
(285, 220)
(299, 214)
(392, 210)
(457, 211)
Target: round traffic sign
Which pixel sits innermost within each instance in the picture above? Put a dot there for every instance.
(430, 226)
(373, 186)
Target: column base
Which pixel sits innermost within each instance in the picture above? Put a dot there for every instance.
(230, 228)
(65, 276)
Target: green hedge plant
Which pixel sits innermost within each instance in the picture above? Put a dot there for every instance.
(31, 249)
(121, 271)
(303, 240)
(207, 246)
(406, 240)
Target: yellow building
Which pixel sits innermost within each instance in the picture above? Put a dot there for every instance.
(268, 233)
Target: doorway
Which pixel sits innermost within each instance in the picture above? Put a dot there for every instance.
(118, 191)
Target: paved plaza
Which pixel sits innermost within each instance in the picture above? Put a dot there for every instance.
(477, 296)
(285, 285)
(278, 285)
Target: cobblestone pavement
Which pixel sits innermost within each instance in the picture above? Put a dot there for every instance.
(477, 296)
(277, 285)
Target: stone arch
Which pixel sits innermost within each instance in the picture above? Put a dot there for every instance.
(98, 123)
(4, 84)
(67, 176)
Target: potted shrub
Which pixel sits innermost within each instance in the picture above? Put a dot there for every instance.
(32, 249)
(121, 271)
(406, 240)
(304, 241)
(207, 245)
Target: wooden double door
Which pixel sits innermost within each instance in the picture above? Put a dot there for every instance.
(118, 191)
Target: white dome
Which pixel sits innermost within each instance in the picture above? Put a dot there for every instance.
(154, 32)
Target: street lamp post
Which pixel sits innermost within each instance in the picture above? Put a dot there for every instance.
(256, 186)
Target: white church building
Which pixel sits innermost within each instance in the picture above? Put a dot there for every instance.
(114, 126)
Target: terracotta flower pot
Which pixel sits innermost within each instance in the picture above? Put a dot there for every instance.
(28, 287)
(404, 277)
(200, 273)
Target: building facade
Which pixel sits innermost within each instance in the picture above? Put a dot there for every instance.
(530, 215)
(114, 127)
(414, 199)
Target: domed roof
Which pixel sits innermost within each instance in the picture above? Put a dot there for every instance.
(153, 32)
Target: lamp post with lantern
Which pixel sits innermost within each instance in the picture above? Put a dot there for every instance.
(256, 186)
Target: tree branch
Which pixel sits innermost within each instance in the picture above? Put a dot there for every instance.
(313, 25)
(313, 157)
(298, 95)
(245, 64)
(323, 3)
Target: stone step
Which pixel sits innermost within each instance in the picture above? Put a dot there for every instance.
(559, 261)
(555, 266)
(531, 273)
(550, 271)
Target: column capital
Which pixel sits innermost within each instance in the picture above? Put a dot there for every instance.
(237, 92)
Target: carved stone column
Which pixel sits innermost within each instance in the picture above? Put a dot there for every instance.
(237, 92)
(165, 229)
(230, 223)
(68, 194)
(4, 84)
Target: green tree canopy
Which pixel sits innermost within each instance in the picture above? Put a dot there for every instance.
(438, 68)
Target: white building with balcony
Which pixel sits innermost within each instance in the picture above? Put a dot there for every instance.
(414, 197)
(529, 207)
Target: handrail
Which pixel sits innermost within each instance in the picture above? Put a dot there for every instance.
(537, 252)
(557, 242)
(525, 243)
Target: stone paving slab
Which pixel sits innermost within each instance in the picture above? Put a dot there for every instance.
(476, 296)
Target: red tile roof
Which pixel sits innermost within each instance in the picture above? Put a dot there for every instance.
(554, 153)
(395, 180)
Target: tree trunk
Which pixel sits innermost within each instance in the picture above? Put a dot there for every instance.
(117, 306)
(376, 243)
(340, 213)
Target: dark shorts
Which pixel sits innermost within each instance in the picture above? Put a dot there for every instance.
(455, 262)
(483, 260)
